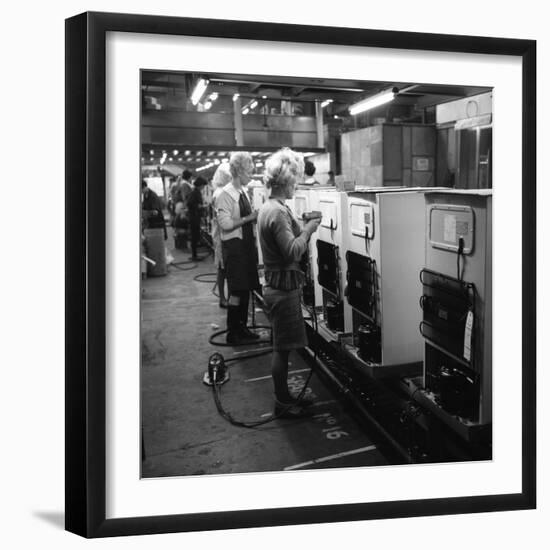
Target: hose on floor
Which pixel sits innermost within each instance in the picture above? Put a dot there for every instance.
(216, 386)
(177, 265)
(216, 392)
(212, 339)
(214, 335)
(201, 278)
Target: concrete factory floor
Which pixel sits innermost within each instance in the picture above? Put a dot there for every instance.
(183, 433)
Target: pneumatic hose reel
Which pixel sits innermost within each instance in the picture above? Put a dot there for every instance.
(217, 372)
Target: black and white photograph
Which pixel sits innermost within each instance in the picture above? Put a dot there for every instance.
(316, 273)
(273, 275)
(290, 295)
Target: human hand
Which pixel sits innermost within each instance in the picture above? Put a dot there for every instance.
(252, 216)
(312, 225)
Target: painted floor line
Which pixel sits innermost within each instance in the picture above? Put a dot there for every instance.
(269, 377)
(331, 457)
(316, 404)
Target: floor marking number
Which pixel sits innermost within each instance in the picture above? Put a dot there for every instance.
(333, 431)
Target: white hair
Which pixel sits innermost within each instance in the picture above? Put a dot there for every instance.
(222, 175)
(285, 167)
(240, 163)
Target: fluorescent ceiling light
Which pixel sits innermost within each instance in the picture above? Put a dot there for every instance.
(326, 102)
(200, 88)
(264, 97)
(213, 96)
(373, 101)
(246, 110)
(207, 105)
(176, 152)
(235, 96)
(254, 104)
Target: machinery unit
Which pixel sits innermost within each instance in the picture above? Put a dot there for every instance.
(389, 155)
(457, 308)
(465, 141)
(328, 246)
(384, 252)
(305, 200)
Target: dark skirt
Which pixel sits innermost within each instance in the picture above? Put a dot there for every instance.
(284, 311)
(241, 269)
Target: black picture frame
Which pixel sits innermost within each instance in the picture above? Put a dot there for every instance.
(86, 263)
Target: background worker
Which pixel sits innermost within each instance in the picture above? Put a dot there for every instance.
(151, 209)
(185, 187)
(283, 244)
(331, 180)
(236, 219)
(179, 194)
(221, 178)
(309, 170)
(195, 211)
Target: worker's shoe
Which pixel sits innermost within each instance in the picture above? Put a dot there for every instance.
(223, 303)
(233, 338)
(303, 401)
(247, 333)
(289, 410)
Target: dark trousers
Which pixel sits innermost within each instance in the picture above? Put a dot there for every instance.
(195, 226)
(237, 316)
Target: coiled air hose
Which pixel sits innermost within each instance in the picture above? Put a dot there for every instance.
(216, 384)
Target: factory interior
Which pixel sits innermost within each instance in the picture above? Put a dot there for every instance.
(396, 299)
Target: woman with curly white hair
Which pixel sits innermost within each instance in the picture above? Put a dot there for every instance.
(283, 244)
(236, 218)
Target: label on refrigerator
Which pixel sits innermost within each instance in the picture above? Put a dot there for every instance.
(421, 164)
(468, 335)
(449, 229)
(328, 210)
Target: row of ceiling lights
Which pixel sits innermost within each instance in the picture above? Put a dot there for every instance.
(188, 153)
(359, 107)
(220, 153)
(258, 163)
